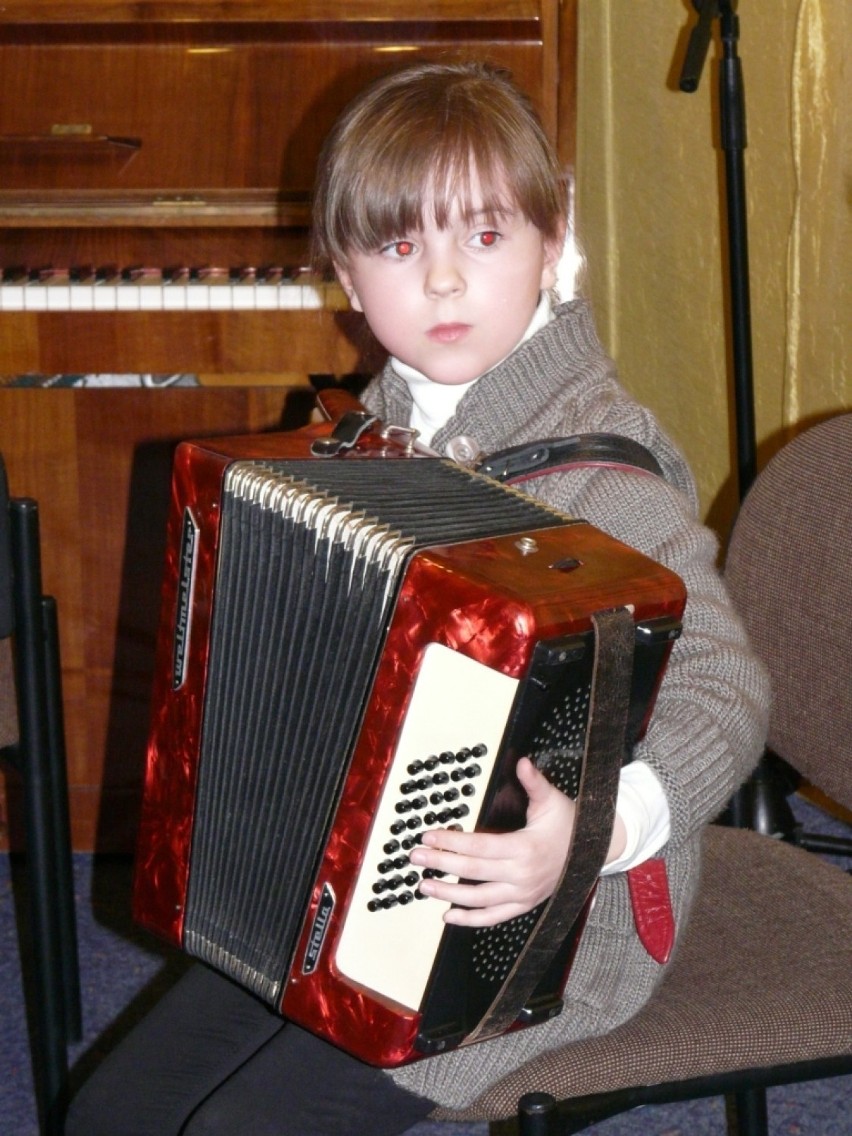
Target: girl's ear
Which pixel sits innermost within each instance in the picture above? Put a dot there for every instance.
(553, 249)
(348, 287)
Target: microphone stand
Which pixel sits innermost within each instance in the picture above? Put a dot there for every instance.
(761, 804)
(733, 140)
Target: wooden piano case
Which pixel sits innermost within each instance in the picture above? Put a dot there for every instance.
(165, 133)
(162, 134)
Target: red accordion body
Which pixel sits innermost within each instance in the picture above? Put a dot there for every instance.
(350, 651)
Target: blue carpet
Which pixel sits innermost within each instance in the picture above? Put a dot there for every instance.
(122, 970)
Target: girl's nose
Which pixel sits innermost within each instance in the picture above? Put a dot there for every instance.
(443, 278)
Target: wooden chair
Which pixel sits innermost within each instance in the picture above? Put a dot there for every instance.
(32, 743)
(759, 992)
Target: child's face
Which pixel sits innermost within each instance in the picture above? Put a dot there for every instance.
(453, 302)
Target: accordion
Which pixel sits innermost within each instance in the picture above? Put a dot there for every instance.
(352, 650)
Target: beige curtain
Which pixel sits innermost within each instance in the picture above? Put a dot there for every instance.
(649, 194)
(817, 378)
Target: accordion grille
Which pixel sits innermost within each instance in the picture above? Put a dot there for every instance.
(311, 557)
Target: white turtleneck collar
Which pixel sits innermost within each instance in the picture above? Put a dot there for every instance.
(435, 403)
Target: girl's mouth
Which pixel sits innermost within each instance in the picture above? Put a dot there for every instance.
(447, 332)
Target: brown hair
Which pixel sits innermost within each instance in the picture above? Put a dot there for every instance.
(422, 133)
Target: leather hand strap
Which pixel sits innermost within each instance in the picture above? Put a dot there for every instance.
(604, 754)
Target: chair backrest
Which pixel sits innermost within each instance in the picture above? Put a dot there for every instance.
(789, 571)
(8, 702)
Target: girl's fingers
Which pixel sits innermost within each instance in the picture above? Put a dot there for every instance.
(466, 895)
(481, 917)
(471, 867)
(482, 845)
(474, 905)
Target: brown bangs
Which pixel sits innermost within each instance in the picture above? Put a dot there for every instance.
(399, 188)
(436, 137)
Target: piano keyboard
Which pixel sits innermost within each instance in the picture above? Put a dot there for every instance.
(176, 290)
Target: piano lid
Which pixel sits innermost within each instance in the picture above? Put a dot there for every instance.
(213, 113)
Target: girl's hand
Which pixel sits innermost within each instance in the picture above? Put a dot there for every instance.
(515, 870)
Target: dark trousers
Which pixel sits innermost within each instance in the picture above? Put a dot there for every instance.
(211, 1060)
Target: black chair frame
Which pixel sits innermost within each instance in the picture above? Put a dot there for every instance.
(762, 804)
(53, 984)
(540, 1114)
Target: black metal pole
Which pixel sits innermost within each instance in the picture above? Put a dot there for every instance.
(761, 803)
(732, 119)
(734, 141)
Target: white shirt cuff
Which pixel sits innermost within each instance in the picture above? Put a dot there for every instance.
(644, 811)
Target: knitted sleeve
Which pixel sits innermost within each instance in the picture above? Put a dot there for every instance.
(709, 724)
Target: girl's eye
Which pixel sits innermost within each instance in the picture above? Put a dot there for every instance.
(399, 249)
(487, 239)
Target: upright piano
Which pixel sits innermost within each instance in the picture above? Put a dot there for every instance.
(156, 163)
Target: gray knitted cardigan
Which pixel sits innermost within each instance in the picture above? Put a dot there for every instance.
(709, 724)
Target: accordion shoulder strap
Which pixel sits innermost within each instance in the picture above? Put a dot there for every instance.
(550, 455)
(605, 741)
(515, 463)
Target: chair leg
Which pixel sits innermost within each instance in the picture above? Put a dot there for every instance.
(50, 1042)
(761, 803)
(534, 1113)
(749, 1110)
(58, 778)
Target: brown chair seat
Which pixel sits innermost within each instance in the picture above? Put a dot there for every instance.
(771, 931)
(759, 991)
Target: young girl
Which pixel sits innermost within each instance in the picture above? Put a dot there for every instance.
(441, 207)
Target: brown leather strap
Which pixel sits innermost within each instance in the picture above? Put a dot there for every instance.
(604, 754)
(552, 455)
(334, 402)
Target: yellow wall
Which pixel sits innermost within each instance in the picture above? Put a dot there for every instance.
(649, 195)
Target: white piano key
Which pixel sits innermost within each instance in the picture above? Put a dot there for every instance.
(127, 297)
(12, 298)
(35, 298)
(174, 298)
(197, 297)
(290, 297)
(266, 297)
(82, 297)
(150, 298)
(221, 298)
(243, 297)
(312, 296)
(58, 298)
(106, 299)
